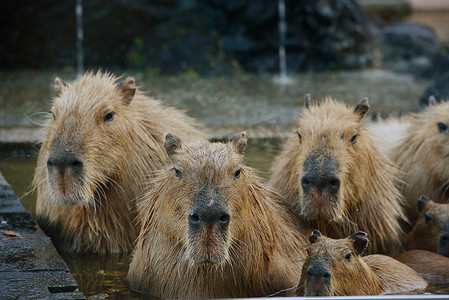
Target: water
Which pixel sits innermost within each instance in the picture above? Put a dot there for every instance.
(238, 102)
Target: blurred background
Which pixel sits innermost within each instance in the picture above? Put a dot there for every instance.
(232, 64)
(228, 63)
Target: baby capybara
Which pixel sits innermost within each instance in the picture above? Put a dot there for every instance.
(422, 156)
(431, 230)
(101, 142)
(334, 267)
(432, 266)
(211, 229)
(336, 179)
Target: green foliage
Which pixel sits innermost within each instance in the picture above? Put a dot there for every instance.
(190, 73)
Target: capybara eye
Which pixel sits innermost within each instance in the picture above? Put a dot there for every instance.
(52, 113)
(442, 127)
(109, 117)
(237, 173)
(299, 136)
(348, 256)
(354, 139)
(177, 173)
(428, 215)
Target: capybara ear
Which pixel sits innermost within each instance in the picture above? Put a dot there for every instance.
(240, 142)
(313, 238)
(359, 241)
(307, 100)
(432, 100)
(60, 85)
(362, 108)
(172, 144)
(127, 88)
(422, 203)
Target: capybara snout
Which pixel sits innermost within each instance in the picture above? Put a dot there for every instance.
(209, 209)
(208, 228)
(320, 173)
(318, 279)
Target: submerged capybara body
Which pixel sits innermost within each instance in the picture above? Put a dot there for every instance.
(432, 266)
(431, 230)
(100, 144)
(334, 267)
(422, 156)
(210, 229)
(331, 173)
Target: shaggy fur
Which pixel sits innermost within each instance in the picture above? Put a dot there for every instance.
(260, 252)
(423, 157)
(368, 197)
(431, 231)
(334, 267)
(114, 134)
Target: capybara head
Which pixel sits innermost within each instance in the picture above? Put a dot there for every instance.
(333, 267)
(87, 120)
(423, 155)
(335, 178)
(331, 144)
(205, 192)
(431, 231)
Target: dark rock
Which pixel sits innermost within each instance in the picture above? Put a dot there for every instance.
(30, 266)
(42, 285)
(199, 36)
(409, 48)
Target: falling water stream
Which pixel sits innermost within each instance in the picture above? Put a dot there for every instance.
(283, 77)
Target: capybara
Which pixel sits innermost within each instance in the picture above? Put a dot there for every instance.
(432, 266)
(335, 178)
(431, 230)
(422, 156)
(211, 229)
(334, 267)
(100, 144)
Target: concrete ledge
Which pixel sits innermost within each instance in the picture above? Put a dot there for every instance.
(30, 266)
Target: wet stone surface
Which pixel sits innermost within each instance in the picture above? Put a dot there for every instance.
(30, 266)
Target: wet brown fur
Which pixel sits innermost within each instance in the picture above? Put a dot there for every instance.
(423, 157)
(264, 248)
(432, 222)
(370, 275)
(96, 212)
(433, 267)
(369, 198)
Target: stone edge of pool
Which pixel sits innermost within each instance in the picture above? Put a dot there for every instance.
(30, 266)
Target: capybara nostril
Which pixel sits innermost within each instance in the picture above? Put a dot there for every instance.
(334, 184)
(327, 276)
(305, 183)
(76, 164)
(63, 162)
(194, 219)
(308, 274)
(225, 219)
(50, 164)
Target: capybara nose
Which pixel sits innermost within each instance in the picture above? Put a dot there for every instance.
(64, 162)
(330, 183)
(201, 217)
(318, 273)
